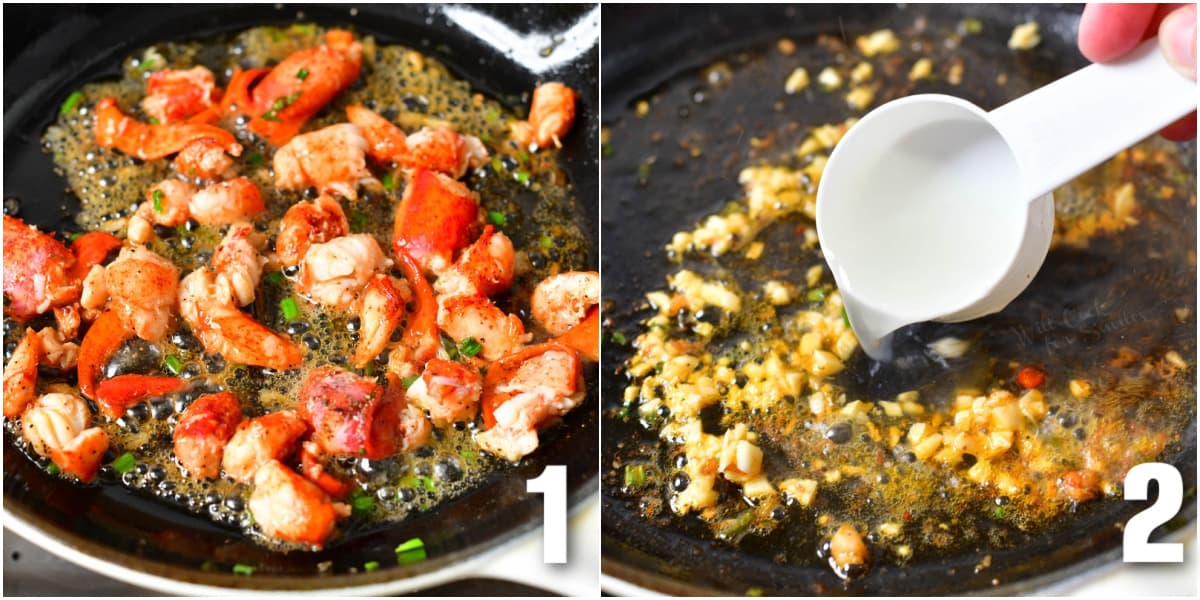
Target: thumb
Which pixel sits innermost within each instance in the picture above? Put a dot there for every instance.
(1177, 38)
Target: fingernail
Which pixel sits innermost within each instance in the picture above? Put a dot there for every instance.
(1177, 38)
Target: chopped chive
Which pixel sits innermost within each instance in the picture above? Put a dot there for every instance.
(124, 463)
(497, 164)
(408, 381)
(619, 338)
(469, 347)
(845, 317)
(427, 483)
(361, 502)
(412, 551)
(274, 278)
(52, 469)
(289, 308)
(153, 121)
(370, 566)
(302, 74)
(492, 115)
(972, 25)
(306, 28)
(148, 64)
(173, 364)
(450, 347)
(496, 218)
(388, 181)
(71, 102)
(241, 569)
(523, 156)
(999, 512)
(270, 116)
(358, 220)
(254, 158)
(607, 149)
(468, 455)
(546, 242)
(485, 136)
(635, 476)
(523, 177)
(208, 566)
(816, 295)
(76, 235)
(158, 198)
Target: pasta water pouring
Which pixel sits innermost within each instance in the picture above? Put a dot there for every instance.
(931, 209)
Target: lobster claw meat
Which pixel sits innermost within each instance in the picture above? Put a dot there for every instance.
(436, 218)
(146, 141)
(106, 334)
(117, 394)
(351, 415)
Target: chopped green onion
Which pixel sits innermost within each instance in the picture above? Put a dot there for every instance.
(626, 409)
(485, 136)
(408, 381)
(241, 569)
(497, 164)
(274, 278)
(208, 566)
(270, 116)
(523, 177)
(371, 566)
(644, 173)
(492, 115)
(450, 347)
(607, 149)
(496, 218)
(124, 463)
(816, 295)
(470, 347)
(619, 338)
(427, 483)
(388, 181)
(412, 551)
(972, 25)
(153, 121)
(158, 198)
(289, 308)
(361, 502)
(254, 158)
(173, 364)
(52, 469)
(999, 513)
(358, 220)
(845, 317)
(148, 64)
(635, 476)
(468, 455)
(76, 235)
(306, 28)
(523, 156)
(71, 102)
(546, 242)
(302, 74)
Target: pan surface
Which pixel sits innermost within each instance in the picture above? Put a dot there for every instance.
(659, 55)
(499, 51)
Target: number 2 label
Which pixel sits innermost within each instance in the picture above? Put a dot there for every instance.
(1138, 548)
(552, 485)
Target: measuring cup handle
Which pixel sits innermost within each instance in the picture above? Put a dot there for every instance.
(1077, 122)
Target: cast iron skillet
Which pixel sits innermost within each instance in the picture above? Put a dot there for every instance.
(117, 526)
(647, 46)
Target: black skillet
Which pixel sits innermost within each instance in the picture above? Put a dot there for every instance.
(106, 526)
(657, 52)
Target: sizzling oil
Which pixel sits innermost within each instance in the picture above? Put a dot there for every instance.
(531, 192)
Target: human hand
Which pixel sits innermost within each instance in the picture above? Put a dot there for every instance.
(1109, 31)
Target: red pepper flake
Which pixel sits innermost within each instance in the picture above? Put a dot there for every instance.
(1030, 378)
(908, 515)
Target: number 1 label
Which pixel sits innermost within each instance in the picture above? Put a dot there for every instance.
(1138, 548)
(552, 485)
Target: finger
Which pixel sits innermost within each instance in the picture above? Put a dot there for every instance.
(1108, 31)
(1177, 38)
(1181, 130)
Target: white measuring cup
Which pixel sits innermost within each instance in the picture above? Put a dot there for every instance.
(932, 209)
